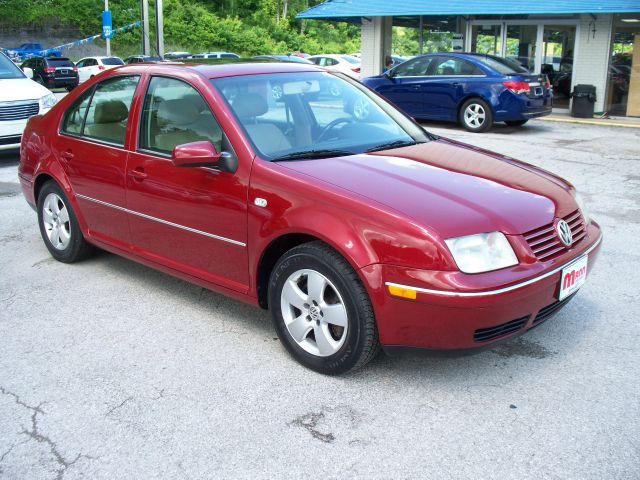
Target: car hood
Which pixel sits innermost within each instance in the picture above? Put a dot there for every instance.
(15, 89)
(453, 188)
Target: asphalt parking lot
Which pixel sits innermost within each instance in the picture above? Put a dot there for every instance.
(109, 369)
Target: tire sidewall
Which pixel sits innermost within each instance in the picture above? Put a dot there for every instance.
(72, 251)
(488, 119)
(348, 355)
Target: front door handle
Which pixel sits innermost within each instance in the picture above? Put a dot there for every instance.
(138, 174)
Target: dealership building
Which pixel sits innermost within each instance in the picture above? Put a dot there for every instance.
(594, 42)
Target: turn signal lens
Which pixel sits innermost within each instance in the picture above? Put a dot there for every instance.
(517, 87)
(402, 292)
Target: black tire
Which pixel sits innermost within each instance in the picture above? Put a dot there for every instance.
(476, 124)
(39, 80)
(77, 247)
(70, 87)
(516, 123)
(360, 343)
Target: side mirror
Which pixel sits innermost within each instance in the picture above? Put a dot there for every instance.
(203, 154)
(28, 72)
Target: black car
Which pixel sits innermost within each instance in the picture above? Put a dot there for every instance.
(141, 59)
(53, 72)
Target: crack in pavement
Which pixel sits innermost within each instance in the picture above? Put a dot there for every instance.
(38, 436)
(118, 406)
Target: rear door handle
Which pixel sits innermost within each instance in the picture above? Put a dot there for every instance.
(138, 174)
(67, 156)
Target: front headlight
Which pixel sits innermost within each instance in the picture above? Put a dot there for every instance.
(48, 101)
(582, 207)
(482, 252)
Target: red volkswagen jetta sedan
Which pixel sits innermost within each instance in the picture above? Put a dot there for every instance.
(351, 224)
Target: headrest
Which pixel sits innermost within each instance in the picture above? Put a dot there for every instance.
(110, 111)
(177, 112)
(250, 105)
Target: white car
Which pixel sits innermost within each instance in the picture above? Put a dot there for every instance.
(344, 63)
(215, 55)
(90, 66)
(20, 98)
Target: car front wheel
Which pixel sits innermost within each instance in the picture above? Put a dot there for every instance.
(476, 115)
(59, 226)
(321, 311)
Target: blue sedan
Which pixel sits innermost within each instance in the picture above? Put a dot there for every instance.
(475, 90)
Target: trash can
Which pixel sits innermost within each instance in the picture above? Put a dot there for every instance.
(584, 99)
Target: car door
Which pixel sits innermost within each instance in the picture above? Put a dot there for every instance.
(446, 81)
(190, 218)
(83, 70)
(404, 86)
(91, 146)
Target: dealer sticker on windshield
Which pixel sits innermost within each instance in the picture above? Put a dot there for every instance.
(573, 277)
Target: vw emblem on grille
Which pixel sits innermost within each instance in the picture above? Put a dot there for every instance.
(564, 233)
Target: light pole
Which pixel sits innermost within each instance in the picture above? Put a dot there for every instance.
(106, 9)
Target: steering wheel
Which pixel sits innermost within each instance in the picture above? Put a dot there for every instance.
(331, 125)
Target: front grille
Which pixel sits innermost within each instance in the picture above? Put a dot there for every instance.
(18, 110)
(549, 310)
(10, 140)
(544, 241)
(485, 334)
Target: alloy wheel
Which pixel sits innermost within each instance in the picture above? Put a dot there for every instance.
(474, 115)
(314, 312)
(55, 219)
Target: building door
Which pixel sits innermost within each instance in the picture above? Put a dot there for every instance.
(557, 61)
(487, 38)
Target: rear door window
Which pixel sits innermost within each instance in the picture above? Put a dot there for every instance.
(108, 113)
(417, 67)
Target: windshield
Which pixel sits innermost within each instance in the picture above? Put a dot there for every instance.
(8, 69)
(60, 62)
(112, 61)
(314, 115)
(350, 59)
(504, 66)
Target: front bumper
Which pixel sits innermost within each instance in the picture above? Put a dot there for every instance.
(456, 311)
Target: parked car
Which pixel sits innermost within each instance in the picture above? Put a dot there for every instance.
(20, 99)
(347, 64)
(352, 231)
(176, 55)
(53, 72)
(141, 59)
(216, 55)
(472, 89)
(91, 66)
(284, 58)
(27, 50)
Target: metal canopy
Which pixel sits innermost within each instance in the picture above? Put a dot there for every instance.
(346, 10)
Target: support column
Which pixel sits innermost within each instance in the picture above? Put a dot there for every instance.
(375, 44)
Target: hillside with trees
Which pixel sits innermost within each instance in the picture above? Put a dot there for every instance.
(247, 27)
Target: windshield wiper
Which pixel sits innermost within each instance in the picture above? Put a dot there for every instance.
(395, 144)
(310, 154)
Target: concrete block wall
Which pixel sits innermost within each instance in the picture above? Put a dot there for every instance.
(592, 54)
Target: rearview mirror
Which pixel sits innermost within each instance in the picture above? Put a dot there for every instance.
(203, 154)
(28, 72)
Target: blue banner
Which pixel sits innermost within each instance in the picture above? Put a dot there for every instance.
(107, 31)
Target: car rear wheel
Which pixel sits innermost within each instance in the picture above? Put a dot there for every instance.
(476, 116)
(59, 225)
(516, 123)
(321, 311)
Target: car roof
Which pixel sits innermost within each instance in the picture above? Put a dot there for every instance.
(219, 71)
